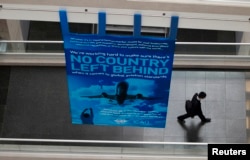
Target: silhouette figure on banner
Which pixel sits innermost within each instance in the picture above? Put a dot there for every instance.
(87, 116)
(193, 108)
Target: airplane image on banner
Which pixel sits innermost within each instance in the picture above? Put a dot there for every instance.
(121, 94)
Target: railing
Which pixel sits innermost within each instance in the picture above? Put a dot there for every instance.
(201, 48)
(96, 149)
(194, 55)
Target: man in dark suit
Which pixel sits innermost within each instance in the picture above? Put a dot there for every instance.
(195, 109)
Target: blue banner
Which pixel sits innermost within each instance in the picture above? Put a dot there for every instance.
(118, 80)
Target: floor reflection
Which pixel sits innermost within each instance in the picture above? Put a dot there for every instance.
(192, 131)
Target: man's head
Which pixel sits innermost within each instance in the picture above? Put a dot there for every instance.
(202, 95)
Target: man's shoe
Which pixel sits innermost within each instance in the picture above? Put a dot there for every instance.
(180, 120)
(207, 120)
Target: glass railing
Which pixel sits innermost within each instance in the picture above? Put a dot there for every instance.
(104, 149)
(208, 48)
(182, 48)
(187, 54)
(31, 46)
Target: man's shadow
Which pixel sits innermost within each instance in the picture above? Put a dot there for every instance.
(192, 131)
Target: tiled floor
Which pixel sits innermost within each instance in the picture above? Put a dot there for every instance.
(4, 83)
(248, 105)
(225, 104)
(37, 107)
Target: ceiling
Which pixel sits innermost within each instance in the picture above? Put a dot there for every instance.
(231, 15)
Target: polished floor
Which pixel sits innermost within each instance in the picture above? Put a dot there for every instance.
(37, 107)
(225, 104)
